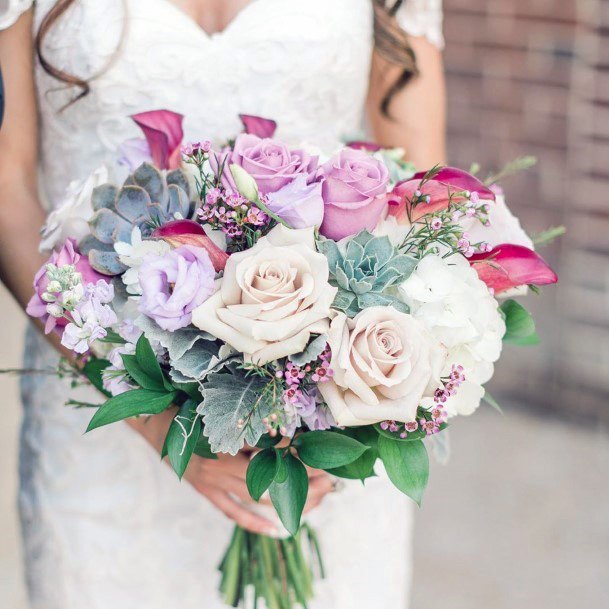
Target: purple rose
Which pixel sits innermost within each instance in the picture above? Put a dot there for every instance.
(68, 254)
(354, 192)
(174, 284)
(299, 204)
(270, 162)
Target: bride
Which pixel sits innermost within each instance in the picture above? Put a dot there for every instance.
(105, 525)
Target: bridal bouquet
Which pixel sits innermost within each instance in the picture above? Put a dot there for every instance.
(331, 310)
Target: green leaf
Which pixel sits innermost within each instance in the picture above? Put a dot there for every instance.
(260, 473)
(328, 449)
(281, 472)
(407, 466)
(410, 437)
(520, 327)
(130, 404)
(203, 449)
(491, 401)
(228, 398)
(547, 236)
(267, 442)
(93, 370)
(182, 437)
(360, 469)
(136, 372)
(146, 358)
(312, 351)
(289, 497)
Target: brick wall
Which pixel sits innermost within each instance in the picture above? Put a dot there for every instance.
(532, 77)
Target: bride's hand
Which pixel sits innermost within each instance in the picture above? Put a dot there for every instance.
(222, 480)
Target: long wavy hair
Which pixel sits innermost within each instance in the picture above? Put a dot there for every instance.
(391, 43)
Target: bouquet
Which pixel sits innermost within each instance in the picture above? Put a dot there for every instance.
(328, 310)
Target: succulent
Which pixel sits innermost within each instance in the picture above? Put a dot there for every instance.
(365, 272)
(147, 199)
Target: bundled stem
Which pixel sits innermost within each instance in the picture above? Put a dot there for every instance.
(277, 571)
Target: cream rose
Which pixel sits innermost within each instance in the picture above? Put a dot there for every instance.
(272, 297)
(385, 362)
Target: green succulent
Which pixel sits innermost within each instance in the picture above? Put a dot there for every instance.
(147, 199)
(365, 272)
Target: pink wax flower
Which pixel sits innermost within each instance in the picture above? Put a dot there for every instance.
(67, 255)
(354, 192)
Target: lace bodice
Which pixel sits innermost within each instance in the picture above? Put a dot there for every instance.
(303, 63)
(105, 525)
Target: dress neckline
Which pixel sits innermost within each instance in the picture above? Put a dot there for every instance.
(239, 16)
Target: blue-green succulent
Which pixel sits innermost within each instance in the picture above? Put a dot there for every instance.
(147, 199)
(366, 271)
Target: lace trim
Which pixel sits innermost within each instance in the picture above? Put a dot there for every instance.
(423, 18)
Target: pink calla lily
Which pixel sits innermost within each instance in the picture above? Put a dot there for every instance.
(363, 145)
(439, 189)
(256, 125)
(188, 232)
(164, 133)
(510, 266)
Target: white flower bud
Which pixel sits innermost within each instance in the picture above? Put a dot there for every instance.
(48, 297)
(54, 286)
(246, 185)
(54, 310)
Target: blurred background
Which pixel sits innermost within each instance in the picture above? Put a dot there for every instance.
(519, 517)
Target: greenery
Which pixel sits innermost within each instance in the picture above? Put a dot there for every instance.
(520, 326)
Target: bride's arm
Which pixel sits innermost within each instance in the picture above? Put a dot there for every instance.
(417, 120)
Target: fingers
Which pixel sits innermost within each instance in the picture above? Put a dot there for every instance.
(230, 484)
(242, 516)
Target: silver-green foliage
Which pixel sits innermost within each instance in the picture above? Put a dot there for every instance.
(147, 199)
(366, 272)
(229, 399)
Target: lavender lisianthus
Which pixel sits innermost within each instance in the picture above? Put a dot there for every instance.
(298, 203)
(270, 162)
(313, 412)
(174, 284)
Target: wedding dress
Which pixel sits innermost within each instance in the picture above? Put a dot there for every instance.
(106, 525)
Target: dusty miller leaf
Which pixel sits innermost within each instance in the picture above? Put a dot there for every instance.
(314, 349)
(228, 398)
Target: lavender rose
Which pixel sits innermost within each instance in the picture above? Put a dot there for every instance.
(270, 162)
(174, 284)
(299, 204)
(354, 193)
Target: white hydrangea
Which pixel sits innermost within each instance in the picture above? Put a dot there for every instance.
(72, 215)
(132, 255)
(458, 309)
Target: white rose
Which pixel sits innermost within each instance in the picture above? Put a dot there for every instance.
(272, 297)
(385, 362)
(458, 309)
(71, 217)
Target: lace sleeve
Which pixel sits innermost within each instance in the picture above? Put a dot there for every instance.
(422, 18)
(10, 10)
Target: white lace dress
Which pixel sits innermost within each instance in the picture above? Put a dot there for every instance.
(105, 524)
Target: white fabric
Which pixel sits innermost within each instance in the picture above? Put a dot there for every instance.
(423, 18)
(11, 10)
(106, 526)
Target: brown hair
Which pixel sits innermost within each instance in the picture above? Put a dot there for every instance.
(391, 43)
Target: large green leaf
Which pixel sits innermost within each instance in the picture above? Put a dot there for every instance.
(328, 449)
(93, 370)
(146, 358)
(260, 473)
(228, 398)
(130, 404)
(203, 449)
(407, 465)
(182, 437)
(520, 327)
(140, 376)
(289, 497)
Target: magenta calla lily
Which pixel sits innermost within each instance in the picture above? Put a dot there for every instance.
(447, 182)
(256, 125)
(164, 134)
(510, 266)
(363, 145)
(188, 232)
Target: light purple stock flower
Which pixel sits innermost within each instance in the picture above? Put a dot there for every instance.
(354, 192)
(298, 203)
(174, 284)
(270, 162)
